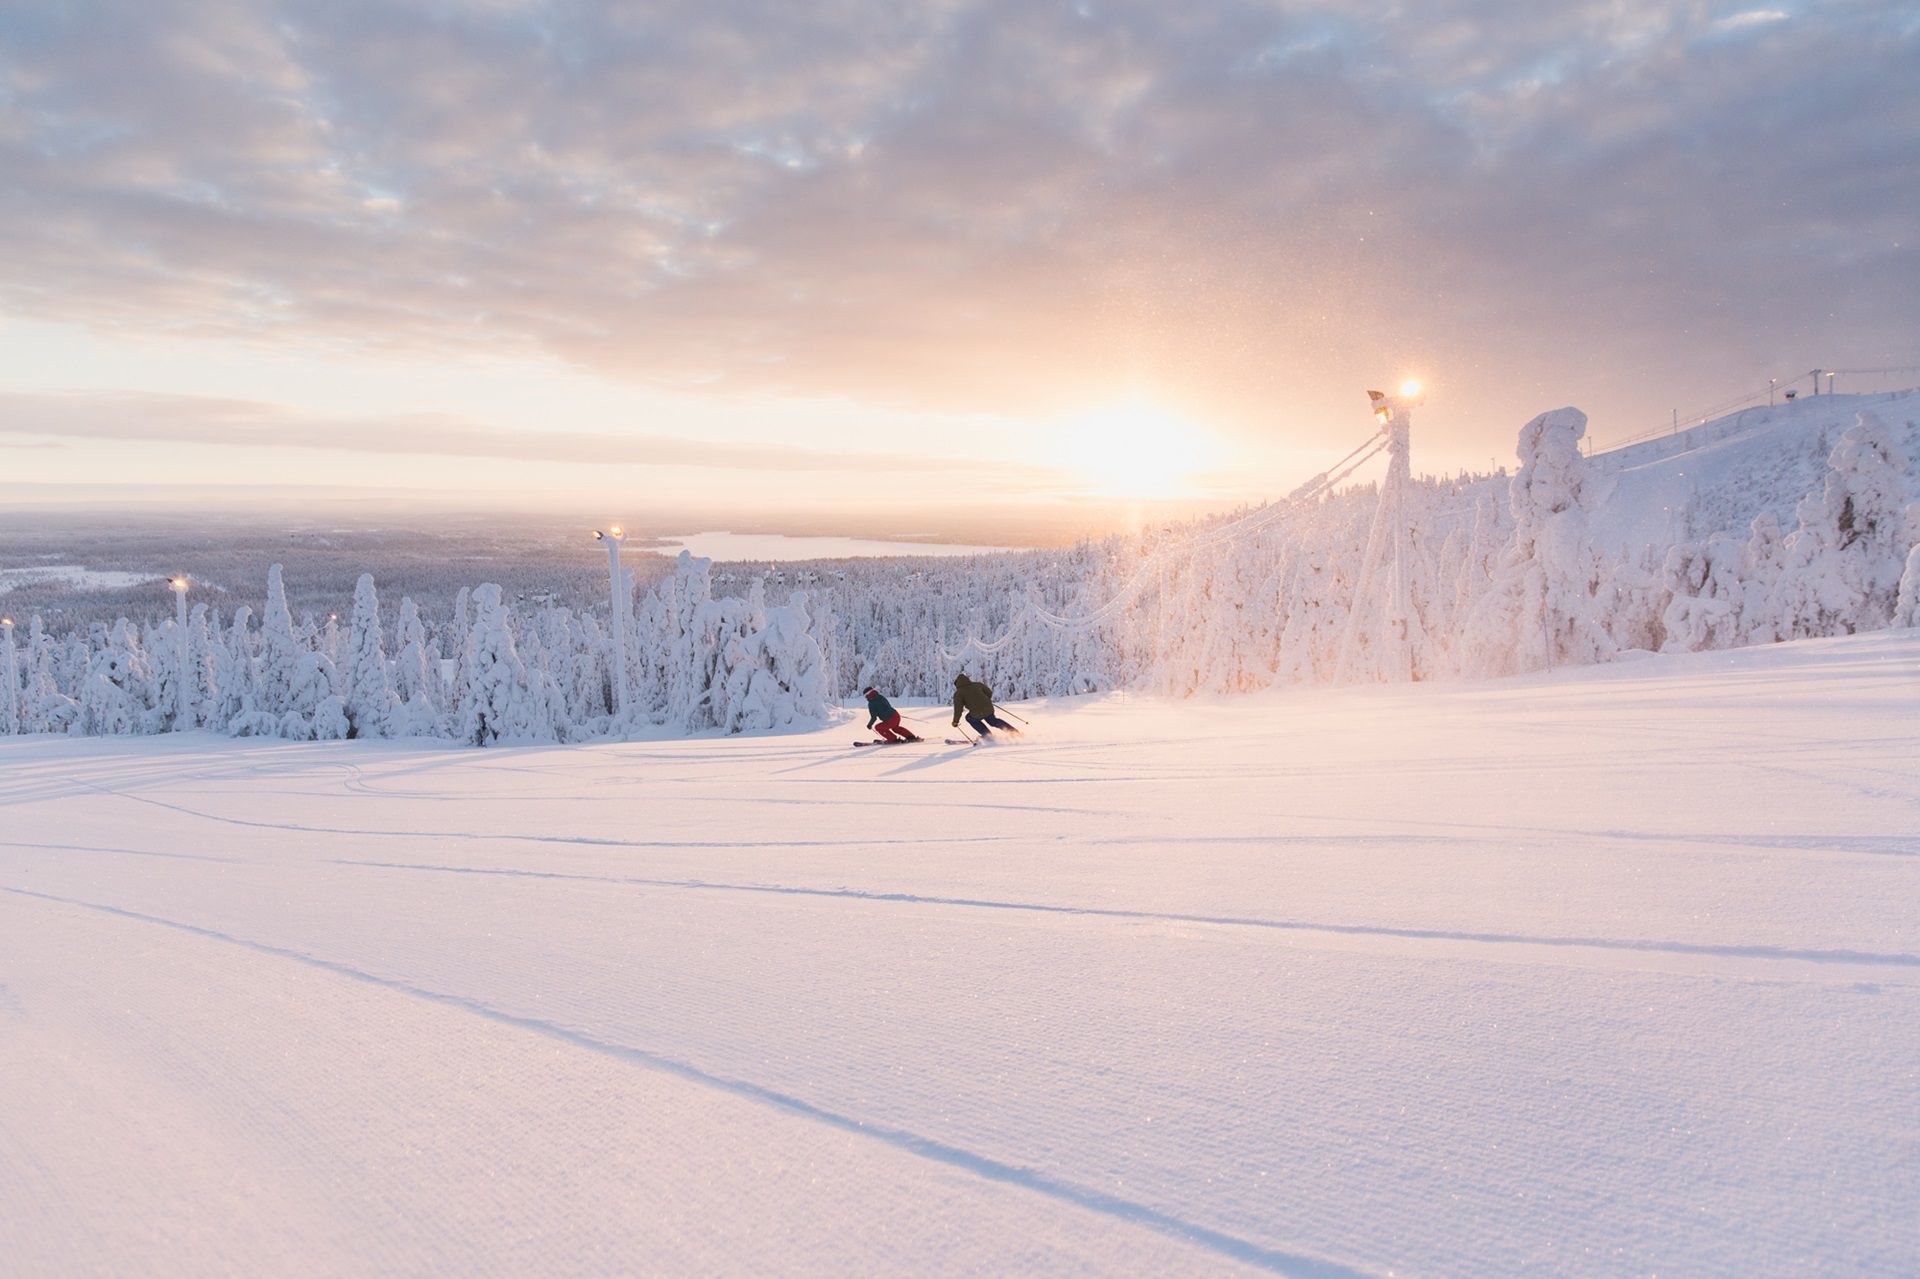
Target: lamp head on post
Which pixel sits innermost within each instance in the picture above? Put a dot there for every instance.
(1385, 404)
(178, 583)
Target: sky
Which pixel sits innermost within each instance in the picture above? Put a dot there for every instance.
(953, 262)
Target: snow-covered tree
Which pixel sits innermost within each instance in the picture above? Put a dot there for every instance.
(1906, 608)
(496, 704)
(1842, 565)
(790, 685)
(1631, 600)
(120, 689)
(237, 674)
(546, 702)
(1704, 588)
(278, 660)
(330, 641)
(44, 708)
(1539, 609)
(164, 646)
(369, 701)
(733, 636)
(1316, 616)
(203, 657)
(416, 678)
(687, 652)
(315, 710)
(1762, 560)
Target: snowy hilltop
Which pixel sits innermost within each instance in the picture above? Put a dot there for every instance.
(1772, 524)
(1719, 476)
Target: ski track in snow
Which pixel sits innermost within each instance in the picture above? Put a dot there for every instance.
(1218, 921)
(1608, 972)
(923, 1147)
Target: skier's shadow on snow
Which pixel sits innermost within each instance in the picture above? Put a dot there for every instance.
(924, 761)
(930, 761)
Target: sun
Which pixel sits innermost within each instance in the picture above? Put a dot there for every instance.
(1135, 449)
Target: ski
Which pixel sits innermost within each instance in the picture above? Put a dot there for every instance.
(949, 741)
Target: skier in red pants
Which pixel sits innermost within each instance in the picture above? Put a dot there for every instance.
(883, 719)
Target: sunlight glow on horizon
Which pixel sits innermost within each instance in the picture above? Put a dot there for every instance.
(1136, 449)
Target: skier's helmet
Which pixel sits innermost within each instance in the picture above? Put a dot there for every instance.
(960, 679)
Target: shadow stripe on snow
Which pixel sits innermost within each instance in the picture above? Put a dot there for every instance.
(293, 828)
(128, 852)
(1173, 917)
(984, 1166)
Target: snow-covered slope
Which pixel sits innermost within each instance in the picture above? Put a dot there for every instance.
(1716, 477)
(1609, 972)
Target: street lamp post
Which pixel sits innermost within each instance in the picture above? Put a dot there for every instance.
(1390, 654)
(10, 673)
(1399, 479)
(179, 585)
(1829, 381)
(617, 597)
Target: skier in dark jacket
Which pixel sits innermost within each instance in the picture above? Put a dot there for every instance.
(883, 719)
(976, 701)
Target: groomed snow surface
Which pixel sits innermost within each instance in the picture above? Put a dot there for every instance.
(1614, 971)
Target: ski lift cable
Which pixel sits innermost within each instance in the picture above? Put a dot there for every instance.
(1236, 530)
(1144, 574)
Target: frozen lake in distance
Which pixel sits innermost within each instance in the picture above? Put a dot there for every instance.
(779, 546)
(74, 576)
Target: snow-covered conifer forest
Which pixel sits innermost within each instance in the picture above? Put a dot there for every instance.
(1778, 523)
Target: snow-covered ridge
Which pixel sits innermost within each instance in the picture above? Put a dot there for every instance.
(1718, 476)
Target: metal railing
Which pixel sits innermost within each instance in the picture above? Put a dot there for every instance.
(1768, 395)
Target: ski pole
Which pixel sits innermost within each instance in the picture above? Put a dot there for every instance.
(1004, 711)
(915, 719)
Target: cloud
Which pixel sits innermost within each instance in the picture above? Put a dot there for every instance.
(38, 419)
(995, 205)
(1750, 18)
